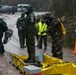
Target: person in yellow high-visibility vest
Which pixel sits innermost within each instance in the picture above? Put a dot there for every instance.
(42, 26)
(36, 26)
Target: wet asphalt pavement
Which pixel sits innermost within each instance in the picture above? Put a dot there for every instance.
(6, 68)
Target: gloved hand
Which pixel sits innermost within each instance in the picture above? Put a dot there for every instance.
(5, 40)
(20, 28)
(43, 32)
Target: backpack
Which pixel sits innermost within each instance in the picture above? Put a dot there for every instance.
(63, 30)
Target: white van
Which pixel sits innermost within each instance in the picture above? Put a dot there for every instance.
(21, 7)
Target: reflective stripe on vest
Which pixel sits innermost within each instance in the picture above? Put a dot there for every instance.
(42, 28)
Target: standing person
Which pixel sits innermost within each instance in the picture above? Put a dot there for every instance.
(20, 24)
(38, 17)
(42, 26)
(30, 33)
(36, 25)
(3, 28)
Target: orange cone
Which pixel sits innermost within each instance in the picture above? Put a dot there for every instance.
(75, 48)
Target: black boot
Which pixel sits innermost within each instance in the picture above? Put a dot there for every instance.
(26, 61)
(31, 61)
(45, 48)
(23, 46)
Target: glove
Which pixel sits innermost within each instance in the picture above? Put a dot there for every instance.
(20, 28)
(43, 32)
(5, 40)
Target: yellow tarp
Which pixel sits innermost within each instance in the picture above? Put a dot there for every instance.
(50, 65)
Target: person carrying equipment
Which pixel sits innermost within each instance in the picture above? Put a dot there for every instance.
(3, 28)
(56, 33)
(42, 26)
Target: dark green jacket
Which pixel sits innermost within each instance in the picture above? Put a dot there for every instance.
(3, 27)
(30, 24)
(20, 22)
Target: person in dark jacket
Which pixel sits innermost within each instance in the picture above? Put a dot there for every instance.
(30, 33)
(54, 30)
(20, 24)
(56, 35)
(3, 28)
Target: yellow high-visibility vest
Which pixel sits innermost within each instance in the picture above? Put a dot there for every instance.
(42, 27)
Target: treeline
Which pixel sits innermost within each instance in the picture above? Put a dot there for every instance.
(59, 7)
(67, 10)
(63, 7)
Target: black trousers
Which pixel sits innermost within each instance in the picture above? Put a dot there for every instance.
(1, 47)
(57, 47)
(43, 39)
(30, 42)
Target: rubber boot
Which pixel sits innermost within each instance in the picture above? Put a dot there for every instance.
(28, 59)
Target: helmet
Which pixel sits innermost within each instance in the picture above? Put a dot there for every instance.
(42, 18)
(38, 18)
(1, 20)
(8, 34)
(28, 9)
